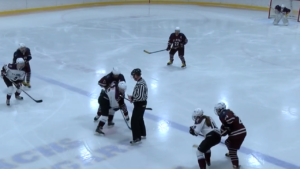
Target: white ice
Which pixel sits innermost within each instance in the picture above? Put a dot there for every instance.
(235, 56)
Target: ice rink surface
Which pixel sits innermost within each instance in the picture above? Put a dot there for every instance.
(235, 56)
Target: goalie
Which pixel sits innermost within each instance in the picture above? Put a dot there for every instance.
(281, 12)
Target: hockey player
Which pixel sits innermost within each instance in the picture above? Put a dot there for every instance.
(24, 53)
(281, 12)
(109, 103)
(205, 126)
(176, 43)
(234, 128)
(13, 74)
(114, 76)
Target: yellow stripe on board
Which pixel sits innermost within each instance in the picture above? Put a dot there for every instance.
(63, 7)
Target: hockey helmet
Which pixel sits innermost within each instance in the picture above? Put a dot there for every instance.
(122, 85)
(116, 71)
(198, 112)
(177, 30)
(219, 107)
(20, 63)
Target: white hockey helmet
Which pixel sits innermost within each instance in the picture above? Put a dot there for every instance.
(20, 63)
(116, 71)
(22, 45)
(122, 85)
(282, 5)
(177, 30)
(198, 112)
(218, 107)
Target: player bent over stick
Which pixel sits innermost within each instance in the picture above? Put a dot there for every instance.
(13, 74)
(114, 76)
(281, 12)
(205, 126)
(110, 101)
(234, 128)
(24, 53)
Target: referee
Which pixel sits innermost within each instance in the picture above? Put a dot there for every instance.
(139, 100)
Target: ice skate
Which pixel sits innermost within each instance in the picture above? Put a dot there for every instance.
(96, 118)
(143, 137)
(19, 97)
(170, 63)
(110, 124)
(99, 131)
(183, 65)
(127, 118)
(8, 102)
(135, 141)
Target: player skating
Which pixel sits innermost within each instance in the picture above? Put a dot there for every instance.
(205, 126)
(13, 74)
(114, 76)
(110, 101)
(281, 12)
(176, 43)
(234, 128)
(24, 53)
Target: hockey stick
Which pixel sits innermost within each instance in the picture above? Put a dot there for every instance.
(37, 101)
(125, 119)
(154, 51)
(129, 100)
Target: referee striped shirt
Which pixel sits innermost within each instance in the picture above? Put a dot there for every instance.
(140, 91)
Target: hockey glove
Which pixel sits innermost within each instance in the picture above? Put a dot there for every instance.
(192, 131)
(168, 48)
(224, 130)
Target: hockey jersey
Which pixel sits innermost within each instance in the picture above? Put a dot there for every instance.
(201, 128)
(12, 73)
(109, 78)
(26, 55)
(232, 123)
(284, 9)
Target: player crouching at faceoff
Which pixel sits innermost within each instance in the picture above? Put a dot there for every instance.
(114, 76)
(205, 126)
(13, 74)
(177, 40)
(110, 102)
(281, 12)
(24, 53)
(234, 128)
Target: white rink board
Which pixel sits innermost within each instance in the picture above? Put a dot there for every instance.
(12, 5)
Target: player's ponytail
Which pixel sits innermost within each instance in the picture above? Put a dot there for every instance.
(207, 121)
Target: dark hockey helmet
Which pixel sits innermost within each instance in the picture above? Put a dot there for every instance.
(136, 71)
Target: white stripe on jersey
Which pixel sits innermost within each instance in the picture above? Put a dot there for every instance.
(238, 132)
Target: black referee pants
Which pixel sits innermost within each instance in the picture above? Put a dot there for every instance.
(137, 120)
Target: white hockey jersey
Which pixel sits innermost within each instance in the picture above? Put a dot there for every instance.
(112, 94)
(200, 127)
(12, 73)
